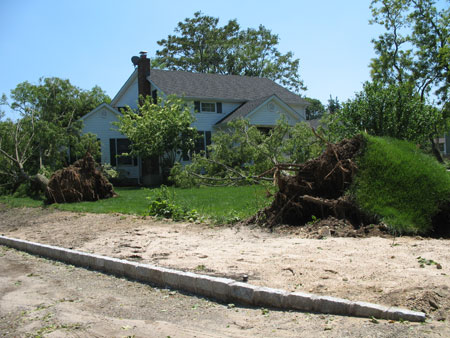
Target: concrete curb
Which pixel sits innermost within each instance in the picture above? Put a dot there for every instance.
(223, 289)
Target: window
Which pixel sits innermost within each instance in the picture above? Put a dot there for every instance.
(118, 146)
(208, 107)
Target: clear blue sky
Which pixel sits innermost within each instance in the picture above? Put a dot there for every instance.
(91, 42)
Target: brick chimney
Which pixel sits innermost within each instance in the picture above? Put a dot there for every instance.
(144, 87)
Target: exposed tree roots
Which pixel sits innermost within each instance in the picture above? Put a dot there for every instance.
(318, 189)
(78, 182)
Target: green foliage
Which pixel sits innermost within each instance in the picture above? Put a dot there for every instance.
(162, 205)
(415, 47)
(387, 110)
(302, 145)
(200, 45)
(240, 152)
(47, 126)
(397, 181)
(315, 109)
(414, 52)
(87, 143)
(109, 171)
(333, 105)
(162, 129)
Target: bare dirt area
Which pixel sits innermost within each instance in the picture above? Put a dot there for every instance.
(42, 298)
(410, 272)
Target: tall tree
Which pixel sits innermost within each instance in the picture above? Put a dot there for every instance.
(315, 109)
(201, 45)
(415, 47)
(387, 110)
(47, 126)
(415, 51)
(56, 105)
(161, 129)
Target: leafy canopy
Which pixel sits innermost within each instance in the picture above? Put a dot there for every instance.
(415, 47)
(240, 152)
(201, 45)
(386, 110)
(160, 129)
(47, 126)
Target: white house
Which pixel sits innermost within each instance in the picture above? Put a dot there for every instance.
(217, 99)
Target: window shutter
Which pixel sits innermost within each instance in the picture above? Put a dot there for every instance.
(112, 151)
(208, 141)
(208, 137)
(219, 107)
(197, 106)
(155, 96)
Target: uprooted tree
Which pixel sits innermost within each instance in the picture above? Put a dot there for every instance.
(46, 126)
(240, 153)
(365, 180)
(81, 181)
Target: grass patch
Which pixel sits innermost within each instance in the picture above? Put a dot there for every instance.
(222, 204)
(401, 184)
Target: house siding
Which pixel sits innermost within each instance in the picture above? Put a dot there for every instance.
(129, 97)
(206, 121)
(301, 110)
(263, 116)
(100, 124)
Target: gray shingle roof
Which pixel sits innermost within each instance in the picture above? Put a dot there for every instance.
(215, 86)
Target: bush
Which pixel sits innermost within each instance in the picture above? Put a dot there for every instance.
(162, 205)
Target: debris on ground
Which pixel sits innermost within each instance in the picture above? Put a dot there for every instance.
(81, 181)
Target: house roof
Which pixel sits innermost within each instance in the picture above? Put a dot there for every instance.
(250, 106)
(244, 109)
(216, 86)
(99, 107)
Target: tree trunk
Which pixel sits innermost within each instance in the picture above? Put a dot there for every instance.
(40, 181)
(436, 152)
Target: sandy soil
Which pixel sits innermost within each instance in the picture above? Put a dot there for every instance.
(42, 298)
(374, 269)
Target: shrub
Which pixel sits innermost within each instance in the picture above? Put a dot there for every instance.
(162, 205)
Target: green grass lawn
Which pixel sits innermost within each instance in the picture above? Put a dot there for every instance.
(218, 203)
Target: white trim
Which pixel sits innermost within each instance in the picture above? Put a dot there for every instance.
(124, 88)
(101, 106)
(273, 97)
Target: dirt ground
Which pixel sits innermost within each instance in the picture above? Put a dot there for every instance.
(375, 269)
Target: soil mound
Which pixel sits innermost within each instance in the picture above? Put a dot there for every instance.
(318, 189)
(79, 182)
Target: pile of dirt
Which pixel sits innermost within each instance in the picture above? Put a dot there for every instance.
(78, 182)
(435, 303)
(317, 190)
(333, 227)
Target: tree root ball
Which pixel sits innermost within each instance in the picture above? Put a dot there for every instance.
(318, 189)
(78, 182)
